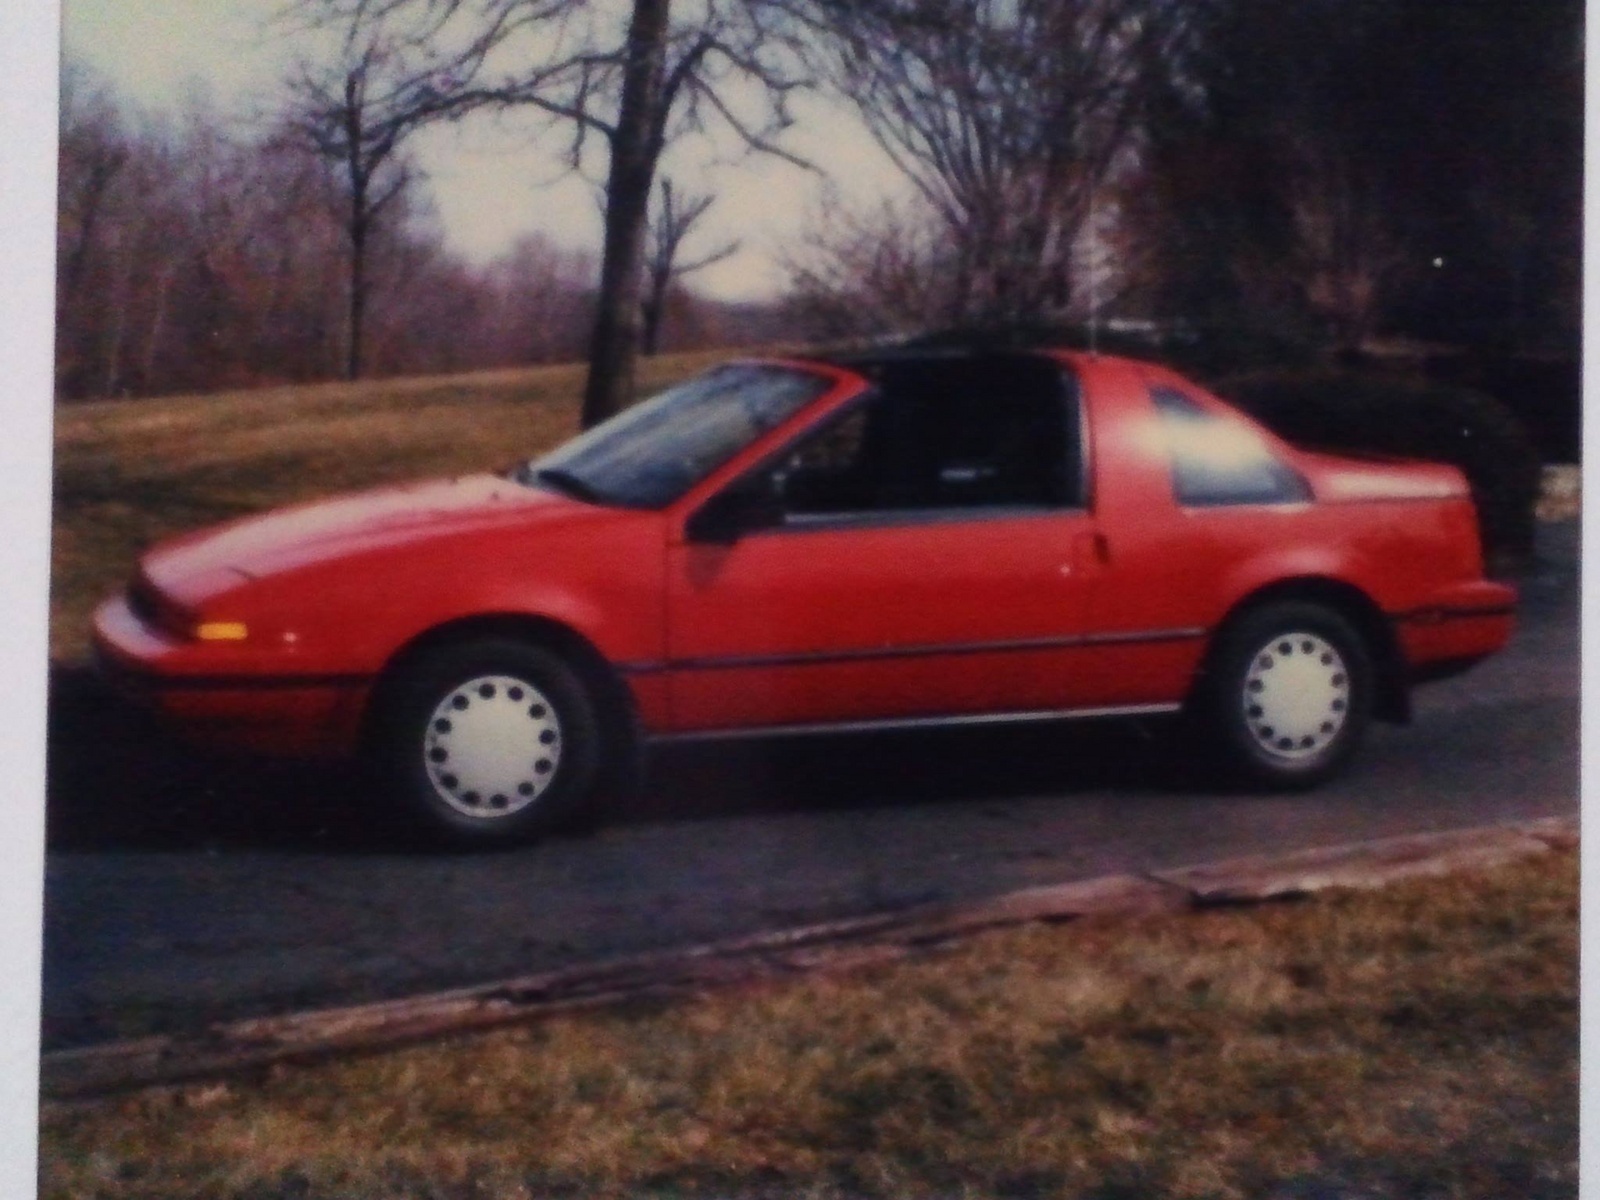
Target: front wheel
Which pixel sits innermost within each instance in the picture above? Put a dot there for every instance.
(488, 742)
(1287, 693)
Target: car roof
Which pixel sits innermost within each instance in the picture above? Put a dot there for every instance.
(871, 363)
(919, 351)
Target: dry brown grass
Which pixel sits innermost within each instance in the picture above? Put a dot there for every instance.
(131, 472)
(1416, 1042)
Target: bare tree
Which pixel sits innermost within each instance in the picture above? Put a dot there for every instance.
(673, 220)
(630, 76)
(122, 225)
(662, 80)
(340, 124)
(1011, 119)
(401, 66)
(876, 274)
(1304, 181)
(1347, 255)
(201, 256)
(357, 114)
(94, 151)
(541, 303)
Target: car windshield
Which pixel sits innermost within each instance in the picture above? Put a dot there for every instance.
(654, 452)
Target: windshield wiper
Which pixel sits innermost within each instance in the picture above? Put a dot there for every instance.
(565, 481)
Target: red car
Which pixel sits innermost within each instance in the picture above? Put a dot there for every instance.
(781, 547)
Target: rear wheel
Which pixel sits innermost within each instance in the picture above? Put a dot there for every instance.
(487, 742)
(1287, 694)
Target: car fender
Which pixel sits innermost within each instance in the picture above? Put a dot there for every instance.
(1337, 579)
(1280, 564)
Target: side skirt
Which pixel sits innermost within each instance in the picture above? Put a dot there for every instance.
(902, 723)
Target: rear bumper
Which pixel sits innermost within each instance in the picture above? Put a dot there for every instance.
(1456, 628)
(225, 703)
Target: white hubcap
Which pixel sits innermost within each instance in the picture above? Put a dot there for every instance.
(493, 746)
(1296, 695)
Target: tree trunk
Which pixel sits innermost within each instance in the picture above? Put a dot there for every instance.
(358, 295)
(360, 176)
(655, 303)
(157, 321)
(635, 146)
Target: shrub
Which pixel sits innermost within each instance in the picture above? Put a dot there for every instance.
(1546, 393)
(1338, 410)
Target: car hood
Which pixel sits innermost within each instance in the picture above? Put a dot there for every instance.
(192, 568)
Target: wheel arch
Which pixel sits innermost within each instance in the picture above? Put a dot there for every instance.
(1392, 693)
(608, 687)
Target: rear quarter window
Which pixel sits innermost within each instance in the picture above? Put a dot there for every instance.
(1218, 462)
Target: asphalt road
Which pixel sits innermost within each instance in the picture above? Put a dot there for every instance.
(181, 889)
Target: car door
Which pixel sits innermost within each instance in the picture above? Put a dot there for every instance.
(928, 557)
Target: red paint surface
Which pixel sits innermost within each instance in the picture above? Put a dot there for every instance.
(1104, 606)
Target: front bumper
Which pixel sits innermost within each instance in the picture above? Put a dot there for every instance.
(227, 696)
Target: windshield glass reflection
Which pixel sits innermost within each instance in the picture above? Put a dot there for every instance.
(657, 450)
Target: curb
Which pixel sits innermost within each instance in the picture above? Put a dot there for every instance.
(228, 1048)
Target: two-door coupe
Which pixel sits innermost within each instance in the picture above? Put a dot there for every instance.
(796, 546)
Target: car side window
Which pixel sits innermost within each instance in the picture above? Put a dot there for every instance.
(828, 472)
(920, 449)
(1221, 462)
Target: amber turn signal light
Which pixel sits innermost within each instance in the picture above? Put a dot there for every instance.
(221, 631)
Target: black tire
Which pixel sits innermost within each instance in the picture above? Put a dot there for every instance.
(487, 742)
(1286, 695)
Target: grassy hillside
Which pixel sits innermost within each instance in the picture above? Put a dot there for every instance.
(131, 472)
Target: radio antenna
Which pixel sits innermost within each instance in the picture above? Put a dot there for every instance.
(1094, 283)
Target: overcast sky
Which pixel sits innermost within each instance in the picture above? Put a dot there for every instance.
(489, 184)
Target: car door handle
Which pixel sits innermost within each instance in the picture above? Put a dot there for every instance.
(1090, 551)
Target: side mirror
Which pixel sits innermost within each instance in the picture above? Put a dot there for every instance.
(729, 515)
